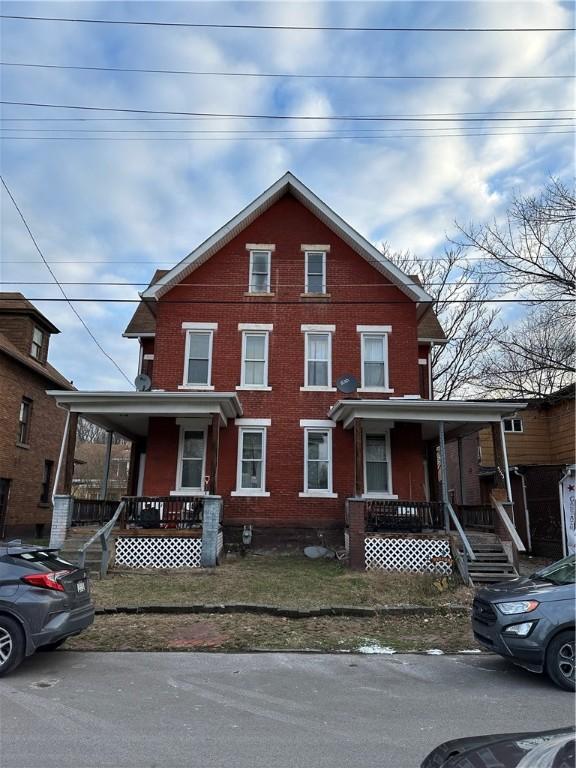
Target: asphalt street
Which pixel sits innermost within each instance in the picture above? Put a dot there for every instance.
(174, 710)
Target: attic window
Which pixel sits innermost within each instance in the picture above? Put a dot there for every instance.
(259, 281)
(37, 344)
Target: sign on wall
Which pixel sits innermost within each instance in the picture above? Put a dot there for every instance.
(568, 501)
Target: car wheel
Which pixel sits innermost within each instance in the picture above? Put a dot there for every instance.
(11, 645)
(560, 662)
(52, 646)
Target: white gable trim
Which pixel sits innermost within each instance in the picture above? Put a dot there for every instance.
(287, 183)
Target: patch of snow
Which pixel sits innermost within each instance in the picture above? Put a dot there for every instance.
(435, 652)
(375, 648)
(471, 650)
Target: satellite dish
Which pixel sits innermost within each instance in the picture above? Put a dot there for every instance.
(143, 383)
(347, 384)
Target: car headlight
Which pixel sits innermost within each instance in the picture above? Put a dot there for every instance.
(523, 606)
(519, 630)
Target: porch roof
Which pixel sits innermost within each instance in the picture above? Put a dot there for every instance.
(128, 412)
(458, 416)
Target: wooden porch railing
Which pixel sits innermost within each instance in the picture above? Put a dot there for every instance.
(178, 512)
(478, 517)
(93, 511)
(412, 516)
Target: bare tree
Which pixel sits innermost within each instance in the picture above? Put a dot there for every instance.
(92, 433)
(534, 249)
(468, 321)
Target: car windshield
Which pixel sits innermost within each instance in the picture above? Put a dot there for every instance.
(561, 572)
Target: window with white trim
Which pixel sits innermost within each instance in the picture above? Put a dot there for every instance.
(37, 343)
(198, 357)
(251, 476)
(374, 361)
(317, 460)
(259, 280)
(318, 363)
(376, 464)
(254, 359)
(315, 268)
(513, 425)
(192, 459)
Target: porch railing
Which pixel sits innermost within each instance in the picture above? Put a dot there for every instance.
(178, 512)
(479, 517)
(412, 516)
(93, 511)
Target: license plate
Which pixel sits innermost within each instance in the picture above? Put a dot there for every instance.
(81, 586)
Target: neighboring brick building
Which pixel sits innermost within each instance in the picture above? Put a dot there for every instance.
(245, 341)
(541, 447)
(31, 424)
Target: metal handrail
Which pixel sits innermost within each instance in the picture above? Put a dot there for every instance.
(464, 539)
(103, 534)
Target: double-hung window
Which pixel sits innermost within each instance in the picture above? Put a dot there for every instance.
(318, 357)
(259, 280)
(317, 460)
(315, 277)
(251, 472)
(191, 460)
(37, 344)
(254, 359)
(198, 358)
(375, 358)
(376, 465)
(24, 421)
(513, 425)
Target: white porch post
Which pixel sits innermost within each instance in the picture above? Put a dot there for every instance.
(61, 455)
(443, 472)
(106, 473)
(506, 467)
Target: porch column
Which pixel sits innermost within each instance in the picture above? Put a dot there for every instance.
(443, 473)
(356, 534)
(61, 456)
(214, 451)
(211, 517)
(358, 459)
(106, 473)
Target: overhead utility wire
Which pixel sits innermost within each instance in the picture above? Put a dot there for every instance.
(204, 120)
(282, 27)
(298, 302)
(447, 116)
(146, 283)
(62, 291)
(283, 75)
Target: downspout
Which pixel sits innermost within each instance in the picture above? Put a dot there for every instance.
(61, 456)
(507, 469)
(525, 500)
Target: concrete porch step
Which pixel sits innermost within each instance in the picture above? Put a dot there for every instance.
(492, 578)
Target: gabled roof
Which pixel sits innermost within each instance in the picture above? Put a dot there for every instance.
(13, 303)
(287, 184)
(46, 370)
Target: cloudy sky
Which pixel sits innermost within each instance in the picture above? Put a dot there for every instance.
(111, 198)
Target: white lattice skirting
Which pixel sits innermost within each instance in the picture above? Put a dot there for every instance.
(398, 554)
(219, 545)
(158, 552)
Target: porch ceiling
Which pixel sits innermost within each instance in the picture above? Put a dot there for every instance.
(128, 413)
(459, 417)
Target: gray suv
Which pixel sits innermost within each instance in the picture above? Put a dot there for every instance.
(531, 621)
(43, 600)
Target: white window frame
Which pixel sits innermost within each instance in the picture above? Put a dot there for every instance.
(179, 489)
(198, 328)
(389, 494)
(255, 332)
(326, 427)
(268, 253)
(247, 426)
(310, 330)
(382, 331)
(513, 431)
(306, 284)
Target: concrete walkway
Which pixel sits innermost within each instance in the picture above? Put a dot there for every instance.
(182, 710)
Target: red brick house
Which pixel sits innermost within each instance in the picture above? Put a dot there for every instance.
(31, 424)
(245, 341)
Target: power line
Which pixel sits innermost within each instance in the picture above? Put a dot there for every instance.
(282, 75)
(430, 117)
(281, 27)
(146, 283)
(66, 299)
(299, 302)
(203, 120)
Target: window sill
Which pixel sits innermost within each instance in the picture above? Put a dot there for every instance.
(384, 390)
(315, 295)
(259, 494)
(383, 496)
(317, 389)
(26, 446)
(198, 387)
(318, 495)
(259, 295)
(254, 388)
(188, 492)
